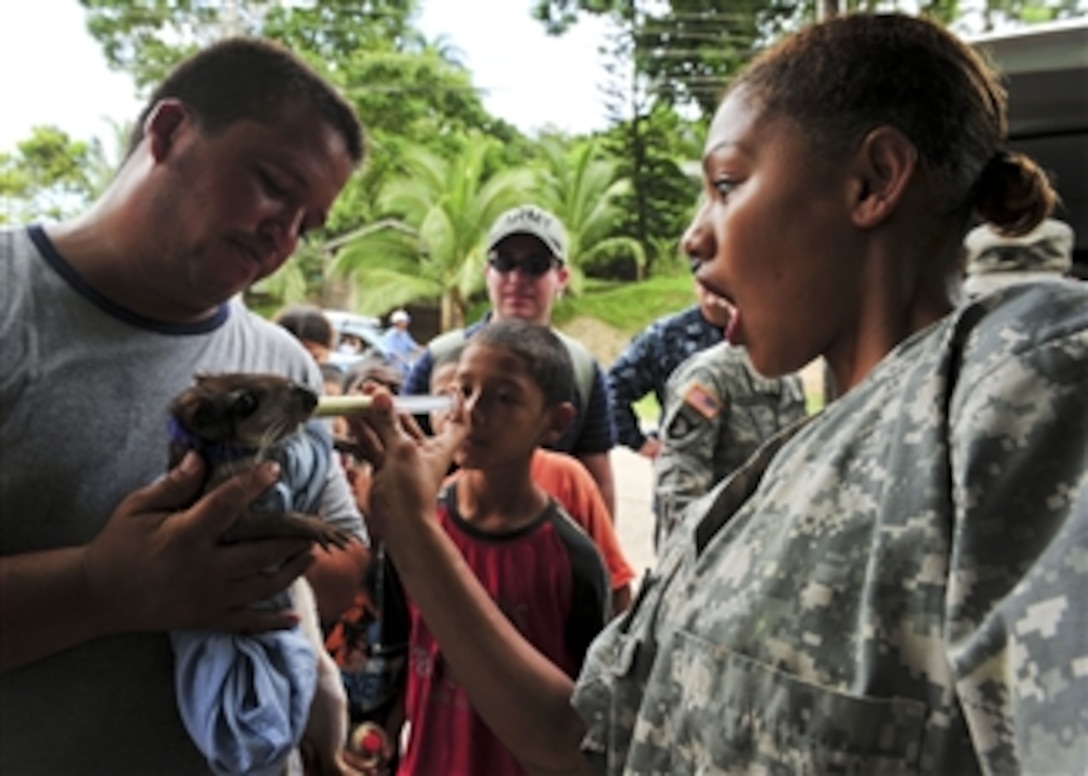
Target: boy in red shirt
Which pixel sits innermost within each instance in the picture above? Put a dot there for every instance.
(514, 379)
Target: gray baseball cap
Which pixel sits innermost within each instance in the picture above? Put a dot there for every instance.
(530, 219)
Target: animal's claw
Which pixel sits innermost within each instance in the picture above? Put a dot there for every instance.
(327, 535)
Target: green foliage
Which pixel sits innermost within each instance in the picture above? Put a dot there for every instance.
(407, 100)
(996, 12)
(430, 242)
(685, 51)
(410, 93)
(584, 189)
(291, 283)
(658, 206)
(410, 224)
(647, 408)
(145, 38)
(50, 177)
(629, 307)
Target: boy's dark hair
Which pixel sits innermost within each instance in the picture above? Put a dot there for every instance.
(250, 78)
(543, 354)
(374, 368)
(331, 373)
(307, 322)
(449, 356)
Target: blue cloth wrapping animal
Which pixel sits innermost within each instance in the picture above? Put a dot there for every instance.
(245, 698)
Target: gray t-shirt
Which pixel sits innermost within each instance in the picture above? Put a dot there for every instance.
(84, 387)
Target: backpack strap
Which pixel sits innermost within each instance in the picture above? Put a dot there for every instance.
(585, 373)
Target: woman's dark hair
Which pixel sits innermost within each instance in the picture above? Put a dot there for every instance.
(250, 78)
(844, 77)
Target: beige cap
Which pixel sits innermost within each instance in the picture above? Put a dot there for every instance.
(995, 260)
(530, 219)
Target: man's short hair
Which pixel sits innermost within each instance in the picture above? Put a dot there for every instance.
(251, 78)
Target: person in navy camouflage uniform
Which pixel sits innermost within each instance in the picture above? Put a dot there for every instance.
(646, 363)
(897, 585)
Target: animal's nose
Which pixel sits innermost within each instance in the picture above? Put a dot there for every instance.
(305, 397)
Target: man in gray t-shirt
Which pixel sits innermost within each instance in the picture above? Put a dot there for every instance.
(103, 320)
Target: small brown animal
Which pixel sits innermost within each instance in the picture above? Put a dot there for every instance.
(235, 420)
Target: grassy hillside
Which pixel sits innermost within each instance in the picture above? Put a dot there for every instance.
(605, 319)
(607, 316)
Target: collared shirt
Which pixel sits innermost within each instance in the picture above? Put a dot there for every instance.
(646, 363)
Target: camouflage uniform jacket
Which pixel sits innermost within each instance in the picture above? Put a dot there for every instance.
(900, 589)
(648, 360)
(718, 410)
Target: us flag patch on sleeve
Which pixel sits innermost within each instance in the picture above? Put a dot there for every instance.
(702, 400)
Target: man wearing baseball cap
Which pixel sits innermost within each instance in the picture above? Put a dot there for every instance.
(526, 271)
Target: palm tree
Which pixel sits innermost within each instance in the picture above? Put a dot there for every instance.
(583, 189)
(430, 247)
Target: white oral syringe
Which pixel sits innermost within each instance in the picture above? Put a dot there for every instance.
(354, 405)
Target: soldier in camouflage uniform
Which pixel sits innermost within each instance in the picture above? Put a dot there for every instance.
(717, 412)
(898, 584)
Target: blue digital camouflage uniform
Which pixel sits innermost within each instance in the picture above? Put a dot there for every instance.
(901, 589)
(648, 360)
(718, 410)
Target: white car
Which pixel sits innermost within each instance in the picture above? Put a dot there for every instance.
(366, 328)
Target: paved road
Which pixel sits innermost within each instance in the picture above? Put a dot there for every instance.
(634, 518)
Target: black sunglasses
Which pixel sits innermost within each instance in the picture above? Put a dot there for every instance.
(535, 264)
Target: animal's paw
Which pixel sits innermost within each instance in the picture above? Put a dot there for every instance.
(257, 524)
(322, 532)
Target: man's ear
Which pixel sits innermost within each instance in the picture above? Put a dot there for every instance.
(883, 167)
(562, 275)
(161, 126)
(562, 418)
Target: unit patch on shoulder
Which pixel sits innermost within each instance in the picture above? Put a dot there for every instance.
(702, 400)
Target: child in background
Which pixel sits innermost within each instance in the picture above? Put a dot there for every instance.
(369, 642)
(566, 480)
(515, 379)
(310, 326)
